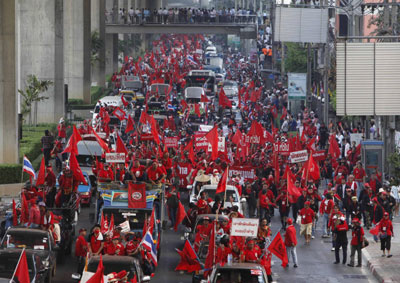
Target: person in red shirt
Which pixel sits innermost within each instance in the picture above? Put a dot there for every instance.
(307, 218)
(291, 241)
(81, 249)
(138, 171)
(385, 234)
(167, 163)
(222, 253)
(325, 210)
(106, 174)
(356, 242)
(155, 174)
(251, 254)
(62, 133)
(132, 246)
(202, 233)
(96, 241)
(34, 214)
(115, 247)
(202, 204)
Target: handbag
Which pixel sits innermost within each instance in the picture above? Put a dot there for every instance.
(365, 243)
(383, 236)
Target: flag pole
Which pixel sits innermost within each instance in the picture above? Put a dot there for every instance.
(15, 270)
(22, 169)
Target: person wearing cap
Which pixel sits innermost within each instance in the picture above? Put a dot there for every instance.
(291, 241)
(81, 249)
(385, 234)
(214, 179)
(307, 217)
(356, 242)
(355, 208)
(96, 241)
(359, 177)
(202, 232)
(251, 254)
(341, 239)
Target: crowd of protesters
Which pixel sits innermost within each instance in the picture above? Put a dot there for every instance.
(330, 188)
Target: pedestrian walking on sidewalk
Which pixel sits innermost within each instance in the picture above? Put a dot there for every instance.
(341, 239)
(356, 242)
(291, 241)
(385, 234)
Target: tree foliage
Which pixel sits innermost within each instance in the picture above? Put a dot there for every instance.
(296, 58)
(96, 45)
(380, 28)
(32, 94)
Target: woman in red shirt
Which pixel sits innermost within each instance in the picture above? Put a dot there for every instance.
(96, 241)
(385, 234)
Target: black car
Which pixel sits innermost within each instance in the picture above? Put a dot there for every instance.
(37, 241)
(116, 264)
(38, 273)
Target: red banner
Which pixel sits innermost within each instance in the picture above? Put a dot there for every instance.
(282, 148)
(171, 142)
(146, 137)
(136, 195)
(319, 155)
(200, 142)
(248, 173)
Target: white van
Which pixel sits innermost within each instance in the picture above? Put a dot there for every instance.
(88, 150)
(115, 101)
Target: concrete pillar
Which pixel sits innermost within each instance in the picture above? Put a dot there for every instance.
(111, 52)
(41, 52)
(8, 91)
(77, 49)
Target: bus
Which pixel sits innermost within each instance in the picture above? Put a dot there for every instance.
(202, 78)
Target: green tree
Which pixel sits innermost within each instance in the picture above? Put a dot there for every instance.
(97, 44)
(391, 27)
(295, 58)
(394, 160)
(32, 95)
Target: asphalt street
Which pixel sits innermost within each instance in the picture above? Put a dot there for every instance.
(315, 261)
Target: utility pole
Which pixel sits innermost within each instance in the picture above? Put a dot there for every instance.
(308, 95)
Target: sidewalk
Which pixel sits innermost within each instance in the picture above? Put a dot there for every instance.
(10, 190)
(384, 269)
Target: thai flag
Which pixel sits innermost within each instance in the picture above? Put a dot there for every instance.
(191, 60)
(28, 168)
(170, 107)
(148, 243)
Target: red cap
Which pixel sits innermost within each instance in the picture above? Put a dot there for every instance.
(250, 242)
(330, 184)
(289, 221)
(356, 220)
(367, 185)
(307, 203)
(115, 237)
(375, 199)
(386, 214)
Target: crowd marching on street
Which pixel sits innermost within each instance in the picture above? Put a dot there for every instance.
(329, 188)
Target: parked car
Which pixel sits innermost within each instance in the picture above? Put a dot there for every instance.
(38, 273)
(37, 241)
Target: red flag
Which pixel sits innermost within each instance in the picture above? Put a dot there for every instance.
(151, 222)
(98, 276)
(222, 182)
(144, 231)
(136, 195)
(375, 230)
(101, 142)
(223, 100)
(334, 149)
(184, 105)
(284, 113)
(134, 280)
(42, 174)
(197, 110)
(189, 148)
(311, 144)
(204, 98)
(154, 131)
(111, 226)
(120, 146)
(189, 260)
(24, 210)
(274, 112)
(212, 137)
(313, 168)
(15, 216)
(124, 101)
(358, 150)
(180, 215)
(144, 117)
(278, 248)
(293, 191)
(129, 124)
(119, 113)
(73, 140)
(104, 224)
(237, 137)
(76, 169)
(21, 271)
(209, 263)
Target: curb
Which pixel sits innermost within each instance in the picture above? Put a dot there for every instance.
(377, 272)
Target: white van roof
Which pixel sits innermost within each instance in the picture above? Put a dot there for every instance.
(89, 148)
(111, 100)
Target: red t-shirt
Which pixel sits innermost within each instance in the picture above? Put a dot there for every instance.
(81, 246)
(358, 173)
(138, 171)
(61, 131)
(95, 244)
(307, 215)
(154, 174)
(355, 237)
